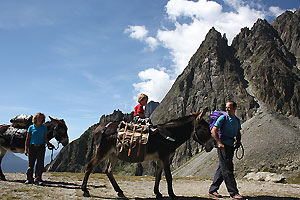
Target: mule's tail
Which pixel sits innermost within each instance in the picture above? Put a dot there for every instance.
(90, 151)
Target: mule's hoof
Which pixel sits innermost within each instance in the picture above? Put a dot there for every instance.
(121, 195)
(159, 196)
(2, 178)
(173, 196)
(86, 193)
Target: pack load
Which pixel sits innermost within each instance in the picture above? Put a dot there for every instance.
(21, 121)
(13, 132)
(213, 118)
(131, 141)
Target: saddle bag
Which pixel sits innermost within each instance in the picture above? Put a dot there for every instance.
(131, 141)
(21, 121)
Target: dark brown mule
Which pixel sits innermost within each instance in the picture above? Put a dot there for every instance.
(158, 148)
(57, 129)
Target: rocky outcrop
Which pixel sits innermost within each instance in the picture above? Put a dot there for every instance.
(150, 107)
(212, 77)
(269, 67)
(288, 27)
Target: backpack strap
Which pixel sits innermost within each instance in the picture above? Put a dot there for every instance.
(222, 127)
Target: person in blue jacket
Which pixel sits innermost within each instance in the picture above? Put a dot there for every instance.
(225, 147)
(35, 148)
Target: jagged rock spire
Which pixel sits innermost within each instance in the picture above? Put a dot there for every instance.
(212, 77)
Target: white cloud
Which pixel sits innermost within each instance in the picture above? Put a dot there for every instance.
(192, 21)
(275, 11)
(155, 83)
(137, 32)
(202, 9)
(141, 33)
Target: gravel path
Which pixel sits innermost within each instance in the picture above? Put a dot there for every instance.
(67, 186)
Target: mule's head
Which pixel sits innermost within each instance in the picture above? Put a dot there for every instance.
(202, 133)
(60, 131)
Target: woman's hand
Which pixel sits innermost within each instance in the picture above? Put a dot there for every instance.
(26, 151)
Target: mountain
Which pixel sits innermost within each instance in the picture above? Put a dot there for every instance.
(271, 137)
(259, 71)
(288, 27)
(212, 77)
(267, 62)
(13, 163)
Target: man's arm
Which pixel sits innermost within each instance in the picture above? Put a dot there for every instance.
(214, 132)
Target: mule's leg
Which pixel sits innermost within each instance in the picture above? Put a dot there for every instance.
(109, 172)
(168, 175)
(100, 155)
(158, 172)
(2, 153)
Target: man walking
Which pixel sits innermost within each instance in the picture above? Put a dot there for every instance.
(231, 127)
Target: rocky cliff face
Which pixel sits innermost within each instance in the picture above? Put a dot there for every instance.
(267, 62)
(150, 107)
(259, 66)
(288, 27)
(212, 77)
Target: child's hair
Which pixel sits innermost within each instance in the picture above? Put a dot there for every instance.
(141, 97)
(34, 119)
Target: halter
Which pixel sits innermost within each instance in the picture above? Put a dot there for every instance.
(196, 138)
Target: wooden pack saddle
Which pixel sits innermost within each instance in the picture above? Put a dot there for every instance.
(132, 140)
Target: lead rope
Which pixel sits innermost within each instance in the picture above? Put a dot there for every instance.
(52, 150)
(243, 152)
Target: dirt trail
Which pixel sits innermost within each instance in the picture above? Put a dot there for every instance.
(67, 186)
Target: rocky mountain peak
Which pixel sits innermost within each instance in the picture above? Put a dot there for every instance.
(208, 80)
(288, 27)
(298, 12)
(267, 62)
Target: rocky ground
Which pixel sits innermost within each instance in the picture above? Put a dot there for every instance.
(67, 186)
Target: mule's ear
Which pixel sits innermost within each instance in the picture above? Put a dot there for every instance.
(51, 118)
(201, 115)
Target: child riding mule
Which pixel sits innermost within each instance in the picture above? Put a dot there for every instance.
(157, 148)
(57, 129)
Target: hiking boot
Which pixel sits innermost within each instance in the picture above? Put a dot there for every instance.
(237, 196)
(215, 194)
(28, 182)
(38, 183)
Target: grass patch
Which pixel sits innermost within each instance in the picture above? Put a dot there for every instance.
(269, 170)
(293, 180)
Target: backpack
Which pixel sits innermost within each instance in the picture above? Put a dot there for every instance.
(213, 118)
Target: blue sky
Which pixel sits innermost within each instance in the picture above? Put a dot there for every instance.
(80, 59)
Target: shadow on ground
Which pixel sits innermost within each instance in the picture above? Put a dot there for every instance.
(60, 184)
(271, 198)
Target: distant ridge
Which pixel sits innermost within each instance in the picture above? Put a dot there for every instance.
(13, 163)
